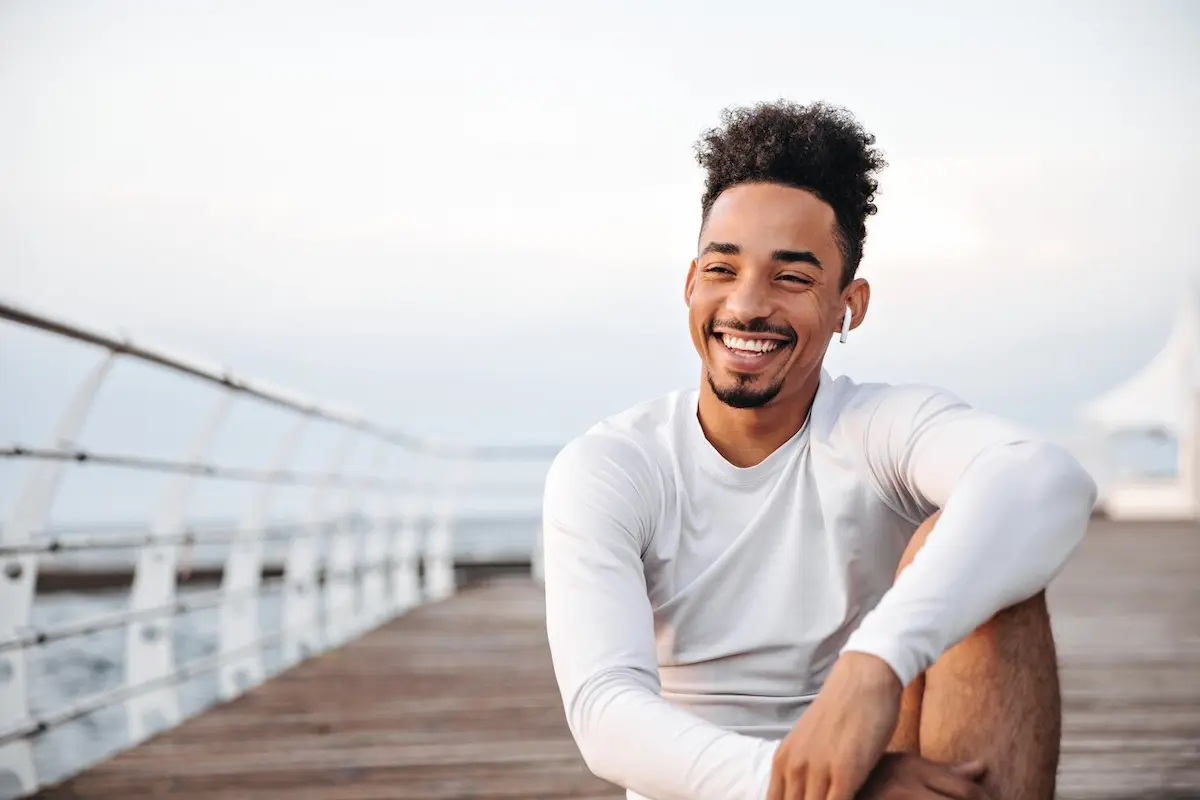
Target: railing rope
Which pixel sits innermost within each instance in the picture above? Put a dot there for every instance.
(135, 541)
(195, 467)
(33, 637)
(19, 574)
(31, 725)
(199, 469)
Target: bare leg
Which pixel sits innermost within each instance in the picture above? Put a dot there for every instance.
(994, 696)
(907, 736)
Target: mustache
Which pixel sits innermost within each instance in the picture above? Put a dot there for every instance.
(754, 326)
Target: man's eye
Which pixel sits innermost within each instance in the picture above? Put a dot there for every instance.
(803, 279)
(718, 268)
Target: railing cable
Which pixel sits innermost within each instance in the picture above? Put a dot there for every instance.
(183, 605)
(38, 725)
(202, 469)
(68, 544)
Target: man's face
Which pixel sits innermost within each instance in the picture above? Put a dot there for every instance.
(764, 294)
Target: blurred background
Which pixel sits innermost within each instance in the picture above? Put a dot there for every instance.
(472, 221)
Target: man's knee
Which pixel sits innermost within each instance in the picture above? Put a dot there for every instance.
(993, 695)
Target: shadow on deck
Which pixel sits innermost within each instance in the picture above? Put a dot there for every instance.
(457, 699)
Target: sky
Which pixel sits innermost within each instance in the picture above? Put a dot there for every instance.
(475, 223)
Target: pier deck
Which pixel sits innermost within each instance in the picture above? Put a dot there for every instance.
(457, 699)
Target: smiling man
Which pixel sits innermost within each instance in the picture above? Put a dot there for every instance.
(783, 585)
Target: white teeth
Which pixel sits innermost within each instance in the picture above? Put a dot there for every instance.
(756, 346)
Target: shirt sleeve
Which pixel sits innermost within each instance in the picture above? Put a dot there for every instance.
(1013, 510)
(600, 495)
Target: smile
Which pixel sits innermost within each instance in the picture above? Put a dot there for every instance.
(749, 354)
(750, 347)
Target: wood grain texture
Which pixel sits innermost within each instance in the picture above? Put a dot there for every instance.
(454, 699)
(1126, 616)
(457, 699)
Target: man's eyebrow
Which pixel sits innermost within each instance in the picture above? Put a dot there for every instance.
(796, 256)
(724, 248)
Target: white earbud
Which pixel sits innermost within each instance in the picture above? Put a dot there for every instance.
(846, 320)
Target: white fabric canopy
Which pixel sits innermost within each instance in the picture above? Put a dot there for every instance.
(1158, 397)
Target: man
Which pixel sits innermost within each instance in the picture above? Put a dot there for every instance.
(723, 606)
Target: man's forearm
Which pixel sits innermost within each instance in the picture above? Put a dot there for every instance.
(1012, 521)
(631, 736)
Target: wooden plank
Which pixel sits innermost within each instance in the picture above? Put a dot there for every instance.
(1126, 616)
(457, 699)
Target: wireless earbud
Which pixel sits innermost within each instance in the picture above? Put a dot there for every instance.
(846, 320)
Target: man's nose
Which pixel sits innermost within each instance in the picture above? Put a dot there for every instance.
(748, 301)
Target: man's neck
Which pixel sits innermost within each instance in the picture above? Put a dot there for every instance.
(746, 436)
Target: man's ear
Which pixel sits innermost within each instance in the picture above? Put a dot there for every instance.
(858, 297)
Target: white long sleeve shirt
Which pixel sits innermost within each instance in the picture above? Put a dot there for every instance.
(694, 608)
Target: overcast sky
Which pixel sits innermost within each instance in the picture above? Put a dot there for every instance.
(476, 223)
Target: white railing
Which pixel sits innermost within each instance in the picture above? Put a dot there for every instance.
(343, 571)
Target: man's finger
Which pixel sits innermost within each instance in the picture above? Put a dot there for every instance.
(776, 788)
(816, 787)
(973, 770)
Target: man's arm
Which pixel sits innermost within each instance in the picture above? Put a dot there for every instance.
(1013, 510)
(599, 497)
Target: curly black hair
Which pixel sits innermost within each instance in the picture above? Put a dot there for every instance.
(818, 147)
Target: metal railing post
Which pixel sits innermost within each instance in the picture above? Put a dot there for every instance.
(405, 578)
(439, 546)
(303, 635)
(18, 575)
(373, 557)
(149, 648)
(342, 567)
(242, 577)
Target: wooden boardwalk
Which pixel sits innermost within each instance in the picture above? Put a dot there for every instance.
(1126, 615)
(457, 700)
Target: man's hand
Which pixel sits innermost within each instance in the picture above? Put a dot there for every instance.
(901, 775)
(840, 738)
